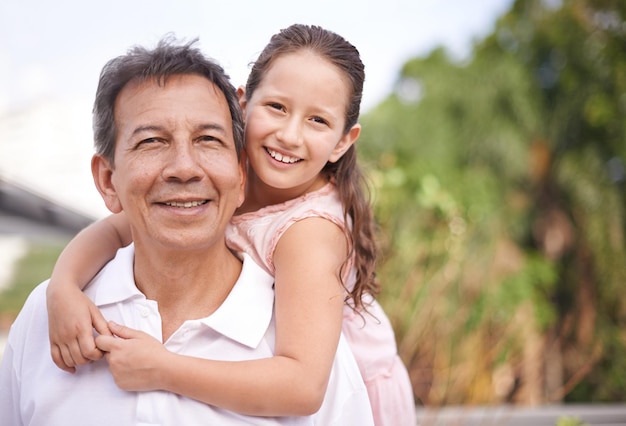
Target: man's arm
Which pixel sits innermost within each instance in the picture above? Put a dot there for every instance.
(27, 327)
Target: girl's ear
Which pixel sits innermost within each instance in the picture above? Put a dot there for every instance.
(102, 172)
(345, 143)
(241, 93)
(243, 170)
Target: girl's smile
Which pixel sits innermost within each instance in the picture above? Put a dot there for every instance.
(294, 125)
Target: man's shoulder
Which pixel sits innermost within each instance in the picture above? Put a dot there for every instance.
(38, 295)
(253, 271)
(32, 316)
(121, 264)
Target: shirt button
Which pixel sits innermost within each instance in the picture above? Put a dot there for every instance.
(145, 312)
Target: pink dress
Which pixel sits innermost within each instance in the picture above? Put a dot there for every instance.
(370, 336)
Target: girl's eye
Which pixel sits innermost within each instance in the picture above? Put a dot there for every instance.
(319, 120)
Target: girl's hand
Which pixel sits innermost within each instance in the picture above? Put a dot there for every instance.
(135, 358)
(72, 316)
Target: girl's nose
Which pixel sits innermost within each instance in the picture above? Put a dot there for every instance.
(290, 133)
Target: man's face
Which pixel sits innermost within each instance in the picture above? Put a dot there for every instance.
(176, 172)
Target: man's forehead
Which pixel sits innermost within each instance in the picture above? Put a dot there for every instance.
(164, 82)
(192, 95)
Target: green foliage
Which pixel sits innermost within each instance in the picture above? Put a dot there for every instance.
(570, 421)
(533, 283)
(35, 267)
(499, 185)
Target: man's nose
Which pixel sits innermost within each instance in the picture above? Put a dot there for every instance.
(183, 163)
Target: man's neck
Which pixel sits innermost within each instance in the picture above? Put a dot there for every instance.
(186, 285)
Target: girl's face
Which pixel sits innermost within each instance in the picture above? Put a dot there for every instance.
(295, 121)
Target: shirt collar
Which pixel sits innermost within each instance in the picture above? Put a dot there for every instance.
(246, 313)
(244, 316)
(115, 282)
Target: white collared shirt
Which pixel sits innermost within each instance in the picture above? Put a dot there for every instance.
(33, 391)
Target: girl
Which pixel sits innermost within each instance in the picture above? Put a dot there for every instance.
(305, 219)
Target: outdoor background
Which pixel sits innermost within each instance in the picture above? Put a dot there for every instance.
(495, 141)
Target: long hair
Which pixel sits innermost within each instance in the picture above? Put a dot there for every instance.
(346, 173)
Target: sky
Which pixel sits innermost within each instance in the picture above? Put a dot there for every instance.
(51, 53)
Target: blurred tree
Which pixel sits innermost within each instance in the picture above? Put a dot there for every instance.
(499, 183)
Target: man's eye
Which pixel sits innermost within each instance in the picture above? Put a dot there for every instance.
(148, 141)
(208, 138)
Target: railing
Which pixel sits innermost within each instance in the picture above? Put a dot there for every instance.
(508, 415)
(26, 203)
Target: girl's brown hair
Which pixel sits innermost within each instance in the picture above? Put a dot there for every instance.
(348, 178)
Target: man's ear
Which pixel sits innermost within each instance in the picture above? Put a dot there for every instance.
(345, 143)
(102, 172)
(241, 94)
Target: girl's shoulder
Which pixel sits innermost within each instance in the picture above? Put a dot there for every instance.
(325, 200)
(257, 233)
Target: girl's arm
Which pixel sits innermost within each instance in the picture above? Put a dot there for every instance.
(309, 304)
(71, 314)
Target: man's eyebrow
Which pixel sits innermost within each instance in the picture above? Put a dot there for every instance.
(148, 128)
(205, 126)
(212, 126)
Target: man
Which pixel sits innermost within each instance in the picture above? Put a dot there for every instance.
(169, 135)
